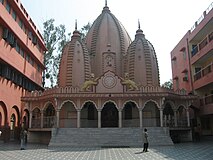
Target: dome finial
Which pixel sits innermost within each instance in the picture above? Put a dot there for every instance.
(139, 25)
(76, 25)
(105, 3)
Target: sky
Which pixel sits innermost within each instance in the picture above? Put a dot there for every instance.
(164, 22)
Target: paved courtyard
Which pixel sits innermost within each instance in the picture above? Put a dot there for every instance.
(184, 151)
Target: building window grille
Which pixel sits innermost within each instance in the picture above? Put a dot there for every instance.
(8, 8)
(14, 15)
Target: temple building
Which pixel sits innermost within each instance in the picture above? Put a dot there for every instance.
(107, 81)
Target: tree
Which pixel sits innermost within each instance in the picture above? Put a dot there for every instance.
(55, 38)
(168, 84)
(84, 30)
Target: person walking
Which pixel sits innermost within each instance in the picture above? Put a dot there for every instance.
(145, 140)
(23, 136)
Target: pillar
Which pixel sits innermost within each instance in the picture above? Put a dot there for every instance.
(120, 118)
(161, 117)
(175, 114)
(78, 118)
(30, 120)
(42, 119)
(141, 118)
(188, 119)
(99, 118)
(57, 118)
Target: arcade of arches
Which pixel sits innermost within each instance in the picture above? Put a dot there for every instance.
(69, 115)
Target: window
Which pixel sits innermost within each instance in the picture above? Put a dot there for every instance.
(8, 8)
(27, 57)
(14, 15)
(17, 48)
(184, 55)
(21, 52)
(39, 69)
(20, 23)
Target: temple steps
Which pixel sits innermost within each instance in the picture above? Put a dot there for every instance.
(108, 137)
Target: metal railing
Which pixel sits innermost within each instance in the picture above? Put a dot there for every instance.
(203, 72)
(206, 100)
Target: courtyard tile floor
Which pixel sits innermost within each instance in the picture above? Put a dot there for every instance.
(183, 151)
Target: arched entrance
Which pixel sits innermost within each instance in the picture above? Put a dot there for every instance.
(49, 116)
(36, 118)
(3, 112)
(181, 116)
(109, 115)
(151, 115)
(130, 115)
(68, 115)
(168, 116)
(89, 116)
(12, 126)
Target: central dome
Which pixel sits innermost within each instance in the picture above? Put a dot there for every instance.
(107, 42)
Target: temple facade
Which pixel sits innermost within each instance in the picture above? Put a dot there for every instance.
(107, 80)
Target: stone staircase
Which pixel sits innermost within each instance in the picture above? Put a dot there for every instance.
(108, 137)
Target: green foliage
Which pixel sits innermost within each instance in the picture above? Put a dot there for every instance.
(55, 38)
(168, 84)
(84, 30)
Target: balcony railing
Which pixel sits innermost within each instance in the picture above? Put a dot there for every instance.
(206, 100)
(196, 48)
(203, 72)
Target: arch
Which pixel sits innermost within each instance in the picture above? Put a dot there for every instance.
(171, 103)
(49, 115)
(13, 122)
(151, 114)
(3, 111)
(68, 115)
(90, 102)
(36, 118)
(181, 116)
(130, 115)
(16, 112)
(109, 115)
(168, 113)
(25, 119)
(109, 101)
(151, 100)
(132, 102)
(66, 102)
(89, 115)
(47, 104)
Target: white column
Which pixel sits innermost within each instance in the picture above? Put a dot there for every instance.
(99, 118)
(120, 118)
(175, 114)
(188, 119)
(30, 120)
(57, 118)
(141, 118)
(161, 117)
(78, 118)
(42, 119)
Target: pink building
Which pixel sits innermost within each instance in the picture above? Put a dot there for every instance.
(192, 67)
(21, 64)
(107, 81)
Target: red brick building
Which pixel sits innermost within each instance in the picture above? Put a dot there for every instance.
(192, 68)
(21, 64)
